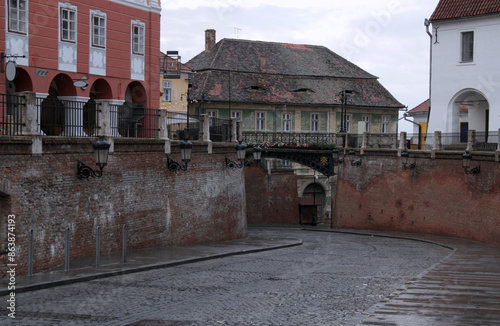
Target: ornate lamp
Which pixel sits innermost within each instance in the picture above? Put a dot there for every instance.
(186, 150)
(404, 158)
(101, 151)
(466, 159)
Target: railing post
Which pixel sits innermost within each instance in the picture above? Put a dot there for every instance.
(471, 140)
(234, 129)
(205, 127)
(402, 143)
(30, 252)
(497, 152)
(104, 117)
(29, 114)
(124, 244)
(162, 125)
(66, 251)
(98, 246)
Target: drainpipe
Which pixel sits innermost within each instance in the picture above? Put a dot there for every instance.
(427, 24)
(405, 115)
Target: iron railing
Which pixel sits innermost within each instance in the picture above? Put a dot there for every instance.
(180, 129)
(134, 121)
(11, 119)
(220, 130)
(382, 140)
(486, 141)
(293, 139)
(67, 118)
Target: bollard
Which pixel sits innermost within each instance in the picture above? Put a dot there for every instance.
(97, 246)
(66, 251)
(124, 244)
(30, 252)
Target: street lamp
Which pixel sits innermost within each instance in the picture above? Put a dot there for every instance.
(352, 156)
(241, 154)
(186, 150)
(343, 113)
(404, 158)
(315, 209)
(101, 151)
(335, 156)
(466, 159)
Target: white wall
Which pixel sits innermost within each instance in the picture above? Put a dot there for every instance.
(450, 78)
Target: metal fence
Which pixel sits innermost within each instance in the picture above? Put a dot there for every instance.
(486, 141)
(67, 118)
(179, 128)
(11, 120)
(134, 121)
(294, 139)
(220, 130)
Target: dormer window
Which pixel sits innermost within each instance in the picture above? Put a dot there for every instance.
(303, 90)
(257, 88)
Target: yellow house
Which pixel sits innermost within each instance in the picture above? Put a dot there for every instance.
(174, 81)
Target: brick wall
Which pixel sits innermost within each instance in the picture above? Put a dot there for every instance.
(436, 198)
(271, 199)
(159, 207)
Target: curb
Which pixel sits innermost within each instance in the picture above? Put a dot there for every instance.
(86, 278)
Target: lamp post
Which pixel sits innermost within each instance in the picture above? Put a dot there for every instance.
(343, 112)
(404, 158)
(186, 150)
(352, 156)
(241, 155)
(315, 209)
(466, 159)
(101, 151)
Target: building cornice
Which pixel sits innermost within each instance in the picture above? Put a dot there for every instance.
(148, 5)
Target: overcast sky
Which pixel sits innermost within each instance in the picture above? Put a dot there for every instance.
(387, 38)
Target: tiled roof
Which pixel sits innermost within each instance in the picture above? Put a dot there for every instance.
(282, 73)
(453, 9)
(423, 107)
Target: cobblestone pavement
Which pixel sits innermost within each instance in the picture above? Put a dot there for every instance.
(332, 279)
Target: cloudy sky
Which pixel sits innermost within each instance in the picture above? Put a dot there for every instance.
(387, 38)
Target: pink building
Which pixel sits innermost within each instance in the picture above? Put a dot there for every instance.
(60, 47)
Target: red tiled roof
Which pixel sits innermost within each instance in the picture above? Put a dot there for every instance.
(453, 9)
(281, 73)
(423, 107)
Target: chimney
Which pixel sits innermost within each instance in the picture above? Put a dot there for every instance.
(209, 39)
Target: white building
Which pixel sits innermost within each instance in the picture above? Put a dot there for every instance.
(465, 69)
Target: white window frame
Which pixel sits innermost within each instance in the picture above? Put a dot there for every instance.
(286, 122)
(260, 121)
(466, 47)
(366, 120)
(348, 119)
(70, 21)
(138, 34)
(98, 32)
(385, 124)
(314, 122)
(18, 15)
(167, 91)
(236, 115)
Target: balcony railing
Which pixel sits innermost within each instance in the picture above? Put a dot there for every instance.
(180, 129)
(134, 121)
(11, 120)
(67, 118)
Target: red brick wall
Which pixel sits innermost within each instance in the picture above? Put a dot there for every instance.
(271, 199)
(436, 198)
(159, 207)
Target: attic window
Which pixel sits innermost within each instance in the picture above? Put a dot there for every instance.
(257, 88)
(303, 90)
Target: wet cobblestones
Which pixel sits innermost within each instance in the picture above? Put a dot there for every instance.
(332, 279)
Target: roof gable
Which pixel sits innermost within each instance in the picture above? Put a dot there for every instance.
(454, 9)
